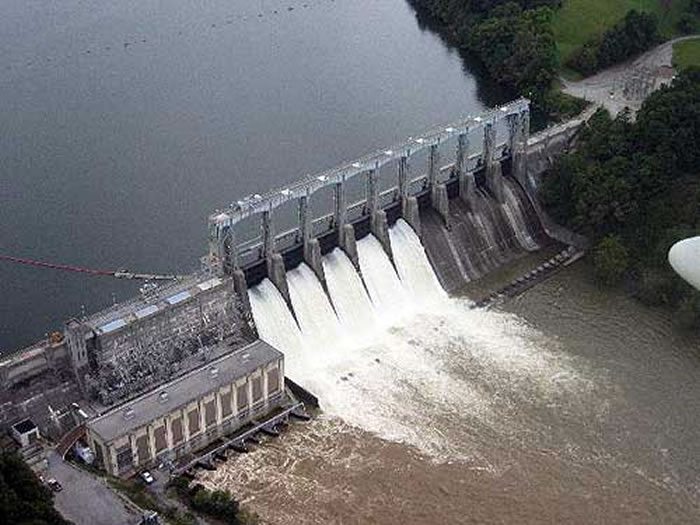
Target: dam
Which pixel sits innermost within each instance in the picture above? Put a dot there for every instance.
(362, 248)
(464, 188)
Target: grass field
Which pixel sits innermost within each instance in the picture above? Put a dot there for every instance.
(580, 20)
(686, 53)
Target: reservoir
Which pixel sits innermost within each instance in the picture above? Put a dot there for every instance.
(123, 125)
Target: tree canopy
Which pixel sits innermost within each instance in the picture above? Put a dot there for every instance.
(24, 500)
(633, 35)
(634, 188)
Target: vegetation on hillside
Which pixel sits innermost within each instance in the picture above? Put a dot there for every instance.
(522, 44)
(580, 21)
(631, 36)
(634, 189)
(515, 43)
(686, 53)
(24, 500)
(218, 504)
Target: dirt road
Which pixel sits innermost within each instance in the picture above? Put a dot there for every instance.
(628, 84)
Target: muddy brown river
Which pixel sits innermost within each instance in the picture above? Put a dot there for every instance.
(570, 404)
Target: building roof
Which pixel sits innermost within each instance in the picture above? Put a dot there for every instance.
(164, 296)
(194, 385)
(24, 426)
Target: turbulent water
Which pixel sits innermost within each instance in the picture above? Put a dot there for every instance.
(576, 406)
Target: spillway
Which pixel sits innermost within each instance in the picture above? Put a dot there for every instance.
(412, 263)
(405, 378)
(483, 235)
(517, 219)
(274, 321)
(318, 322)
(348, 295)
(388, 295)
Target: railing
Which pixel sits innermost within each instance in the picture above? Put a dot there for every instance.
(255, 204)
(250, 251)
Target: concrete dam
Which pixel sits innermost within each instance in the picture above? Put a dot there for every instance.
(464, 190)
(323, 263)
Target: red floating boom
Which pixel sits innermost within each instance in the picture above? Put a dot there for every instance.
(119, 274)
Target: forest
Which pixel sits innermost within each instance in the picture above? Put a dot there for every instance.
(24, 500)
(633, 187)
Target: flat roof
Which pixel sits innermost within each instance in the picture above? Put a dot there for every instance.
(167, 294)
(145, 312)
(178, 297)
(168, 397)
(24, 426)
(112, 326)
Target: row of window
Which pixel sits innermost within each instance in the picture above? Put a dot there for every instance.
(124, 454)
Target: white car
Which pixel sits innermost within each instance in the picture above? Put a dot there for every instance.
(147, 477)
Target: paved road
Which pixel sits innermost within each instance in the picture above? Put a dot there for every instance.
(628, 84)
(86, 500)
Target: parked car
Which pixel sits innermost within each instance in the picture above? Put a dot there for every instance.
(54, 485)
(147, 477)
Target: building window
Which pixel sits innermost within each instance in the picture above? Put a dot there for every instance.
(142, 449)
(242, 393)
(125, 459)
(194, 421)
(226, 405)
(273, 381)
(159, 436)
(257, 389)
(176, 428)
(210, 413)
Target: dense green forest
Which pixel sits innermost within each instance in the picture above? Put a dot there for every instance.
(634, 189)
(513, 40)
(24, 500)
(633, 35)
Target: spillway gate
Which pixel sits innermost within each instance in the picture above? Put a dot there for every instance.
(251, 257)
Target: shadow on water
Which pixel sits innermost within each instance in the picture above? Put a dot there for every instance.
(488, 90)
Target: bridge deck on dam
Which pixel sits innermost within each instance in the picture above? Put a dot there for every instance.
(470, 200)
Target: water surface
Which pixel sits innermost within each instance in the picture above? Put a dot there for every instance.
(124, 124)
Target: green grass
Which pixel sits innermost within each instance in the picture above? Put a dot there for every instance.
(580, 20)
(686, 53)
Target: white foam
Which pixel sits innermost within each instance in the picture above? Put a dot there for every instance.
(349, 297)
(417, 380)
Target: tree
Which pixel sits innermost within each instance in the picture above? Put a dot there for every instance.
(23, 499)
(610, 260)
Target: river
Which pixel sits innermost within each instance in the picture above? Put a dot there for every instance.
(570, 404)
(124, 124)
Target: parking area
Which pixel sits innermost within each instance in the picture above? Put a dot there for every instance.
(86, 500)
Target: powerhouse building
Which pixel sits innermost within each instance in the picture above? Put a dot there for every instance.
(190, 412)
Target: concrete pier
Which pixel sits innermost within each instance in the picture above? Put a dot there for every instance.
(311, 247)
(519, 130)
(379, 226)
(276, 271)
(409, 212)
(349, 244)
(440, 202)
(494, 181)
